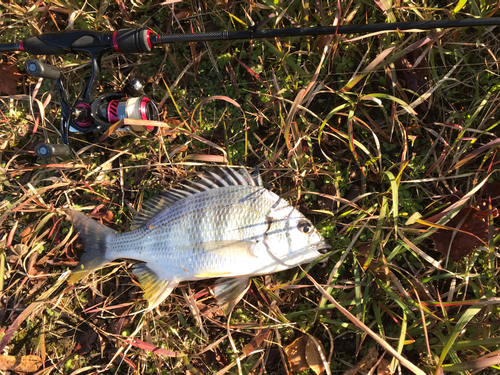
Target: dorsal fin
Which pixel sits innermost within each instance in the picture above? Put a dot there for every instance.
(251, 179)
(208, 180)
(150, 209)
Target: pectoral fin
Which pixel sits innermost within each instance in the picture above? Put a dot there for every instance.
(228, 292)
(155, 289)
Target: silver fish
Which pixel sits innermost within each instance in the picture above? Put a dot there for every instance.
(226, 225)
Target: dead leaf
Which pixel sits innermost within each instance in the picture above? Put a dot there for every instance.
(256, 342)
(183, 14)
(16, 252)
(9, 75)
(306, 352)
(141, 172)
(25, 363)
(415, 78)
(365, 364)
(26, 233)
(376, 266)
(296, 354)
(321, 42)
(86, 341)
(383, 367)
(463, 243)
(108, 216)
(315, 355)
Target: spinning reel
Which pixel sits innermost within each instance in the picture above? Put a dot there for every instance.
(88, 114)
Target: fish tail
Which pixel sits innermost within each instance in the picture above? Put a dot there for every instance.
(94, 236)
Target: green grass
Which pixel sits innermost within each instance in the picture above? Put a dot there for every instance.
(379, 155)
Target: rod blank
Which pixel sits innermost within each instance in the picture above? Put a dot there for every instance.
(326, 30)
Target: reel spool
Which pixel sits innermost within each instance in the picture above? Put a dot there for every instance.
(111, 108)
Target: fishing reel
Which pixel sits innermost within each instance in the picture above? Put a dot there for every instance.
(89, 113)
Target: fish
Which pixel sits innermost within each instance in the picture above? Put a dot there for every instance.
(226, 225)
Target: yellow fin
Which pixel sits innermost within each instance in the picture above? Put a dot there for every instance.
(213, 274)
(155, 289)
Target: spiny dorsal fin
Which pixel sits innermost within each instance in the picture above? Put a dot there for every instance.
(155, 289)
(253, 179)
(151, 208)
(208, 181)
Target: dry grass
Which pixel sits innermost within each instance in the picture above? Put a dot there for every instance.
(387, 142)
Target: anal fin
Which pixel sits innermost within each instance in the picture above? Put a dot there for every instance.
(155, 289)
(228, 292)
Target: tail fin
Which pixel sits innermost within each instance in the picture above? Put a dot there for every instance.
(93, 235)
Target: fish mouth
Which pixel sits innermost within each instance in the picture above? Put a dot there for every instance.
(322, 247)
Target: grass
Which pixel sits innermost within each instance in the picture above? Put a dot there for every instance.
(381, 140)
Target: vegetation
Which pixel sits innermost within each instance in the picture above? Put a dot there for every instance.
(387, 142)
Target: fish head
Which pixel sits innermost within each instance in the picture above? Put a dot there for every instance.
(291, 238)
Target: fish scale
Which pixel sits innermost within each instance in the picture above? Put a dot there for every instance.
(224, 226)
(204, 211)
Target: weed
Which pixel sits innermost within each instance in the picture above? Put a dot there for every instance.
(384, 141)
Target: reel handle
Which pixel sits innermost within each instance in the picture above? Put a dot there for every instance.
(48, 150)
(36, 68)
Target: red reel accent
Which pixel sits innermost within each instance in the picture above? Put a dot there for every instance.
(149, 38)
(115, 42)
(144, 112)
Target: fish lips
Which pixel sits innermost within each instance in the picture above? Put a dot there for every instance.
(322, 247)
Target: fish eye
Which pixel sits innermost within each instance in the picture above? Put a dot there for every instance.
(305, 226)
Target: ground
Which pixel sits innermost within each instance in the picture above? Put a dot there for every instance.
(387, 142)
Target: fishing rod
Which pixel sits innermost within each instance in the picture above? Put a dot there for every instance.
(90, 114)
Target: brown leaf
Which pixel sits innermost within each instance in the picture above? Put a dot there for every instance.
(26, 233)
(296, 354)
(256, 342)
(86, 341)
(183, 14)
(383, 367)
(108, 216)
(315, 355)
(414, 77)
(463, 243)
(365, 364)
(141, 172)
(25, 363)
(321, 42)
(9, 75)
(304, 353)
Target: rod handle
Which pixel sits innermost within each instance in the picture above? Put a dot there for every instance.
(48, 150)
(123, 41)
(36, 68)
